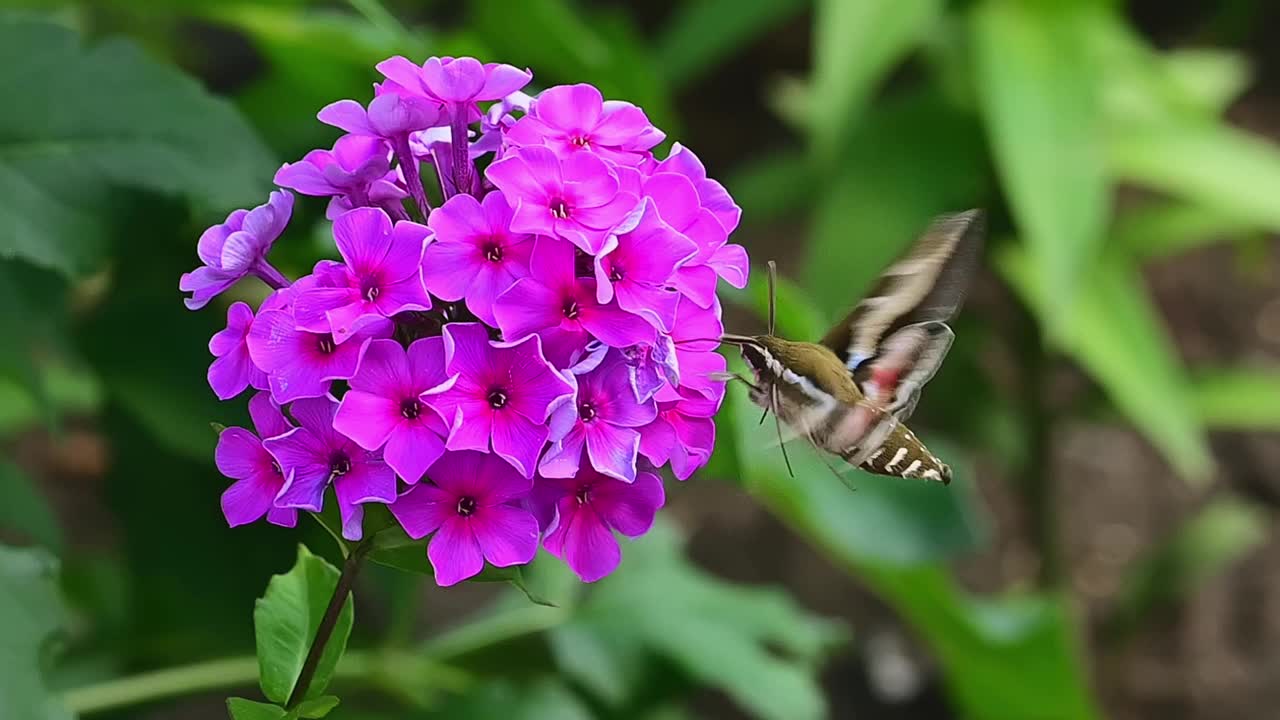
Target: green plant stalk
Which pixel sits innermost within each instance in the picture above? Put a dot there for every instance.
(350, 569)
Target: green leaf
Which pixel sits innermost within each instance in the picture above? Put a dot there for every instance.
(242, 709)
(544, 698)
(24, 509)
(768, 185)
(316, 708)
(1221, 168)
(1120, 340)
(754, 644)
(121, 119)
(1162, 229)
(912, 158)
(1039, 96)
(31, 614)
(1219, 534)
(285, 621)
(1237, 399)
(700, 34)
(855, 44)
(1211, 79)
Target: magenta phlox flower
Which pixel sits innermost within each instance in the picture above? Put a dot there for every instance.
(241, 456)
(695, 336)
(232, 370)
(683, 433)
(302, 364)
(461, 80)
(502, 397)
(356, 173)
(384, 407)
(584, 512)
(314, 455)
(475, 255)
(602, 419)
(679, 205)
(238, 247)
(472, 504)
(389, 116)
(641, 259)
(563, 309)
(380, 276)
(711, 194)
(577, 199)
(572, 118)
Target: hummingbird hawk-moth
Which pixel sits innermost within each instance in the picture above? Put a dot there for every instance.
(851, 393)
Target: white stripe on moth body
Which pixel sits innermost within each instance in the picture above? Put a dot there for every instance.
(912, 468)
(898, 457)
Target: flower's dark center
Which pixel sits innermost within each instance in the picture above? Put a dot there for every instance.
(580, 141)
(497, 399)
(275, 468)
(570, 309)
(583, 264)
(339, 464)
(583, 495)
(587, 411)
(559, 209)
(615, 274)
(324, 343)
(466, 505)
(493, 252)
(369, 291)
(410, 408)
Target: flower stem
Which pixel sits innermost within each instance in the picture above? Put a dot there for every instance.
(350, 569)
(270, 275)
(412, 177)
(461, 149)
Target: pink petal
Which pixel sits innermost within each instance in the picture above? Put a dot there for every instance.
(613, 449)
(574, 108)
(458, 80)
(609, 214)
(563, 458)
(697, 283)
(411, 450)
(527, 307)
(311, 309)
(629, 508)
(655, 304)
(461, 219)
(471, 427)
(367, 419)
(347, 115)
(518, 441)
(247, 500)
(730, 262)
(492, 280)
(454, 552)
(423, 509)
(507, 535)
(614, 326)
(448, 268)
(676, 198)
(402, 71)
(267, 418)
(239, 453)
(363, 238)
(229, 375)
(404, 256)
(403, 296)
(502, 80)
(384, 370)
(589, 547)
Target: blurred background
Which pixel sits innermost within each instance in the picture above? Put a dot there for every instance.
(1110, 406)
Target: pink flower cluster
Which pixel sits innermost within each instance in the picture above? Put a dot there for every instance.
(510, 366)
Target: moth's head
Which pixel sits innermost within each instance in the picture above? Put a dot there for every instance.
(759, 352)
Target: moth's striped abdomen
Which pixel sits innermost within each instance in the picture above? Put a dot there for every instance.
(903, 455)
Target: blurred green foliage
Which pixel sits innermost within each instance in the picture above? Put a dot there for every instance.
(113, 157)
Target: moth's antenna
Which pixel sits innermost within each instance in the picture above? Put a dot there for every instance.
(773, 295)
(763, 415)
(777, 423)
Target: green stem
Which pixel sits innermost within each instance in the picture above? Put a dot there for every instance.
(350, 569)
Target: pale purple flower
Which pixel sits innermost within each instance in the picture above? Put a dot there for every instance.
(301, 364)
(602, 418)
(683, 433)
(314, 455)
(573, 118)
(356, 172)
(380, 276)
(383, 406)
(502, 397)
(472, 507)
(454, 80)
(241, 456)
(238, 247)
(644, 255)
(475, 256)
(651, 367)
(232, 371)
(390, 116)
(577, 199)
(586, 509)
(563, 309)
